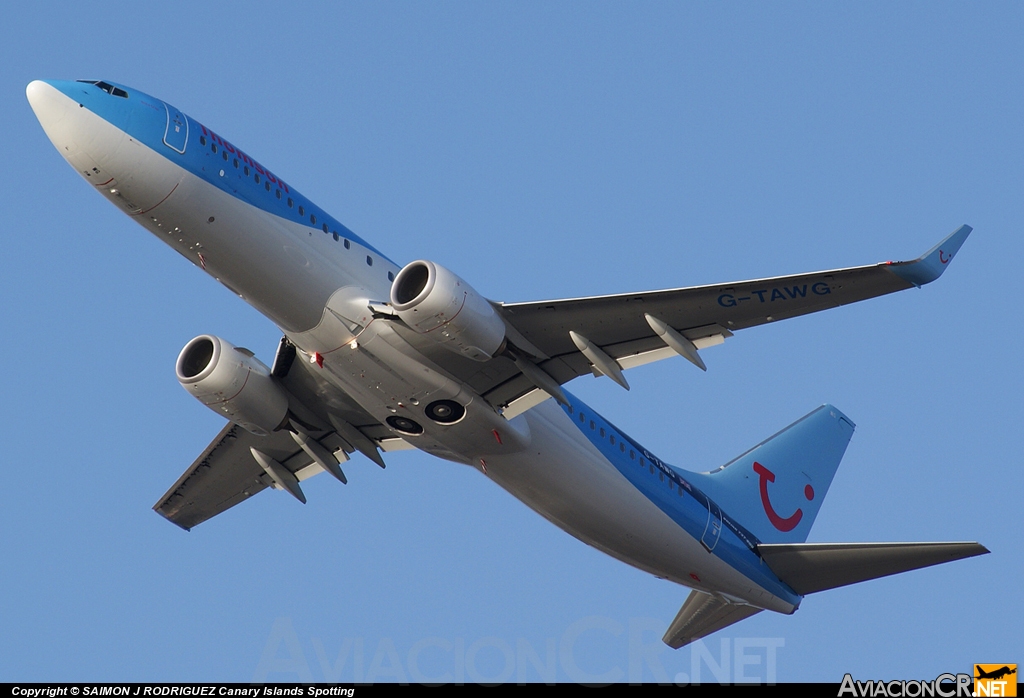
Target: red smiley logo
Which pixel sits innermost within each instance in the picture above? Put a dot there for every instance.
(943, 257)
(783, 524)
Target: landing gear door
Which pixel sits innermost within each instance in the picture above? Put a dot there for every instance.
(176, 134)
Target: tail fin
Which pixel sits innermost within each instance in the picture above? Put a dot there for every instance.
(776, 488)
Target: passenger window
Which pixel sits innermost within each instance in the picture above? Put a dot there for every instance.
(266, 186)
(336, 237)
(312, 218)
(622, 446)
(235, 162)
(224, 154)
(369, 261)
(602, 432)
(583, 418)
(347, 244)
(632, 454)
(246, 170)
(326, 231)
(277, 192)
(202, 140)
(214, 147)
(256, 178)
(391, 276)
(612, 439)
(592, 425)
(301, 211)
(290, 202)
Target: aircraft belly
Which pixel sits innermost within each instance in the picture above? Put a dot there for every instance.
(389, 379)
(568, 481)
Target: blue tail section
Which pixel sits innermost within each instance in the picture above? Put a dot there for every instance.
(776, 488)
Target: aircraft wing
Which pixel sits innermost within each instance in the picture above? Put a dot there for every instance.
(222, 476)
(571, 337)
(227, 472)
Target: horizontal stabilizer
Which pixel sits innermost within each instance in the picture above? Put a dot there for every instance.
(703, 614)
(811, 567)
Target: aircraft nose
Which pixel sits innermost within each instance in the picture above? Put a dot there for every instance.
(52, 108)
(44, 98)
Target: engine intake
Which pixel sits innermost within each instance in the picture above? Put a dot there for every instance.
(232, 382)
(437, 303)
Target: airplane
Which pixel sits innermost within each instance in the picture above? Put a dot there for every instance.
(378, 357)
(995, 674)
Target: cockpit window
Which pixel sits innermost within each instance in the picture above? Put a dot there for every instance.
(108, 88)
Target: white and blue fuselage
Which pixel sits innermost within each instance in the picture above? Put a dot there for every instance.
(296, 264)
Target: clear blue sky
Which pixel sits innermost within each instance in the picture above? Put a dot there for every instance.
(541, 151)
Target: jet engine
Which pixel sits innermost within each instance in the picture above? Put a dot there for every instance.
(437, 303)
(232, 382)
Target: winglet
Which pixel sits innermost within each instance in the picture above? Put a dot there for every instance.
(930, 266)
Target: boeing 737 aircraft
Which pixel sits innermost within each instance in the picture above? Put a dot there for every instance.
(378, 357)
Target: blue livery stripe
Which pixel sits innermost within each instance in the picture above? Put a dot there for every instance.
(203, 153)
(678, 497)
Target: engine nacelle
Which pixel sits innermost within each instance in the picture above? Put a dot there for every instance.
(232, 382)
(437, 303)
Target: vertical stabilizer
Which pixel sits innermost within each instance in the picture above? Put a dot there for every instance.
(776, 488)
